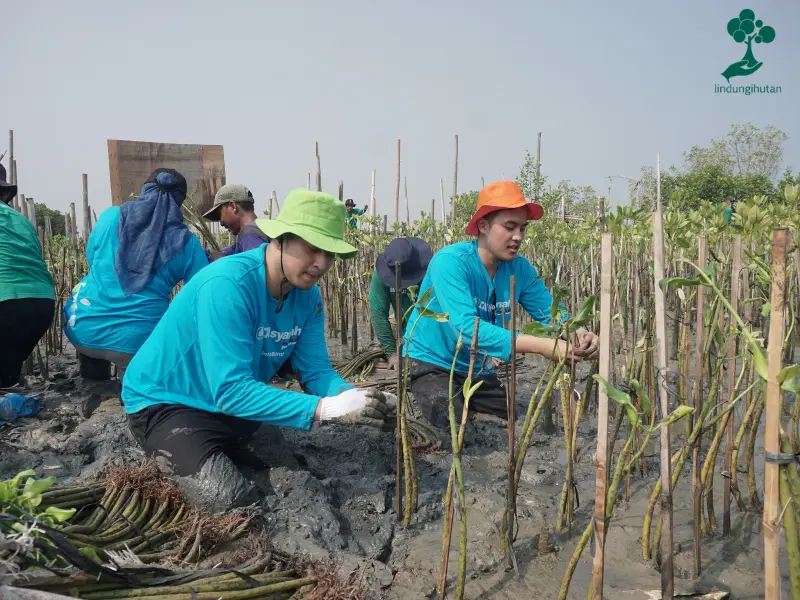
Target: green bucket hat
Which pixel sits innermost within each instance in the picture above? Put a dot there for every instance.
(316, 217)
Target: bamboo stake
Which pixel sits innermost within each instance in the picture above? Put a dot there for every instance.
(511, 501)
(772, 576)
(400, 391)
(374, 209)
(397, 187)
(728, 466)
(405, 194)
(85, 183)
(13, 165)
(12, 172)
(697, 486)
(319, 170)
(441, 197)
(667, 567)
(602, 418)
(455, 182)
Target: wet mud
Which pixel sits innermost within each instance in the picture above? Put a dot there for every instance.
(330, 492)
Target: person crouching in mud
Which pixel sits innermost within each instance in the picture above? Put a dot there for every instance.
(472, 279)
(414, 254)
(196, 391)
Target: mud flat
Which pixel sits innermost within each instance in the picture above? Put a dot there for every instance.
(330, 492)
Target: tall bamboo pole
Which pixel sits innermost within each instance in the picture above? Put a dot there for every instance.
(511, 507)
(374, 210)
(16, 182)
(400, 367)
(731, 479)
(667, 565)
(455, 179)
(319, 170)
(441, 196)
(397, 187)
(85, 183)
(12, 175)
(772, 576)
(697, 488)
(606, 257)
(405, 194)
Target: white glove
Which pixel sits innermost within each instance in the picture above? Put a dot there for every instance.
(355, 407)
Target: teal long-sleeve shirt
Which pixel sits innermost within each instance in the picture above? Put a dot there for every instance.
(463, 289)
(221, 341)
(382, 298)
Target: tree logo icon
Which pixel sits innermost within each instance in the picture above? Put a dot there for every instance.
(746, 29)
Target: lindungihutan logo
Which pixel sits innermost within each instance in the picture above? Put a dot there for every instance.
(746, 29)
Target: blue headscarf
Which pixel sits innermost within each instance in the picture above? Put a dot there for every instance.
(150, 230)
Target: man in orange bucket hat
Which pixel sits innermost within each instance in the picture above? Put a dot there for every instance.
(472, 279)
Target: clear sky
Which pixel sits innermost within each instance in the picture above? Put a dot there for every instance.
(607, 83)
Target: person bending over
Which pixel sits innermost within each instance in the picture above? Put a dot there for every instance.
(137, 253)
(197, 390)
(472, 279)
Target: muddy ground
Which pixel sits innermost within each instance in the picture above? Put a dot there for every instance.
(330, 492)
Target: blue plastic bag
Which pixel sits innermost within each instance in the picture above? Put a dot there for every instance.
(13, 406)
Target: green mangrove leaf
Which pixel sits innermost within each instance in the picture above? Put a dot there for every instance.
(538, 329)
(677, 414)
(468, 389)
(14, 482)
(681, 295)
(584, 316)
(790, 372)
(436, 316)
(759, 362)
(59, 514)
(642, 394)
(678, 282)
(765, 310)
(424, 299)
(34, 487)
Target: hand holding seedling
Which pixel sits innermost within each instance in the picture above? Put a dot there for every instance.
(587, 346)
(357, 407)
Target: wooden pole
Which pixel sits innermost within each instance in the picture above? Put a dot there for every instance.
(32, 212)
(319, 171)
(606, 256)
(85, 182)
(397, 187)
(341, 191)
(667, 565)
(12, 174)
(538, 162)
(731, 479)
(698, 408)
(441, 197)
(455, 181)
(772, 425)
(23, 206)
(482, 184)
(308, 185)
(512, 423)
(16, 182)
(405, 195)
(374, 209)
(398, 330)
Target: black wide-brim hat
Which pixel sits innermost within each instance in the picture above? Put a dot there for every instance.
(414, 254)
(7, 190)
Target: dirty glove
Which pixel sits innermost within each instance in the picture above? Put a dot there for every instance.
(355, 407)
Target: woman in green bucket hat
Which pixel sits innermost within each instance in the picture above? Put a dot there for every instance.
(197, 391)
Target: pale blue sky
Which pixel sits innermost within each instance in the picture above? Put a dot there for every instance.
(607, 83)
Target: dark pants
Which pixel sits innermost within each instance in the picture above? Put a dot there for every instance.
(23, 322)
(430, 386)
(188, 437)
(204, 450)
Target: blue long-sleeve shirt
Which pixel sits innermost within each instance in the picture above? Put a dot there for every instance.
(99, 315)
(463, 289)
(221, 341)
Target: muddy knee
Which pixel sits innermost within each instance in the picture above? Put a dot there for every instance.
(218, 486)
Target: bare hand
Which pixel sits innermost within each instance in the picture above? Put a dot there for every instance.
(587, 345)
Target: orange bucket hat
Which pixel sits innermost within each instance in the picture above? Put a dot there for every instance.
(502, 195)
